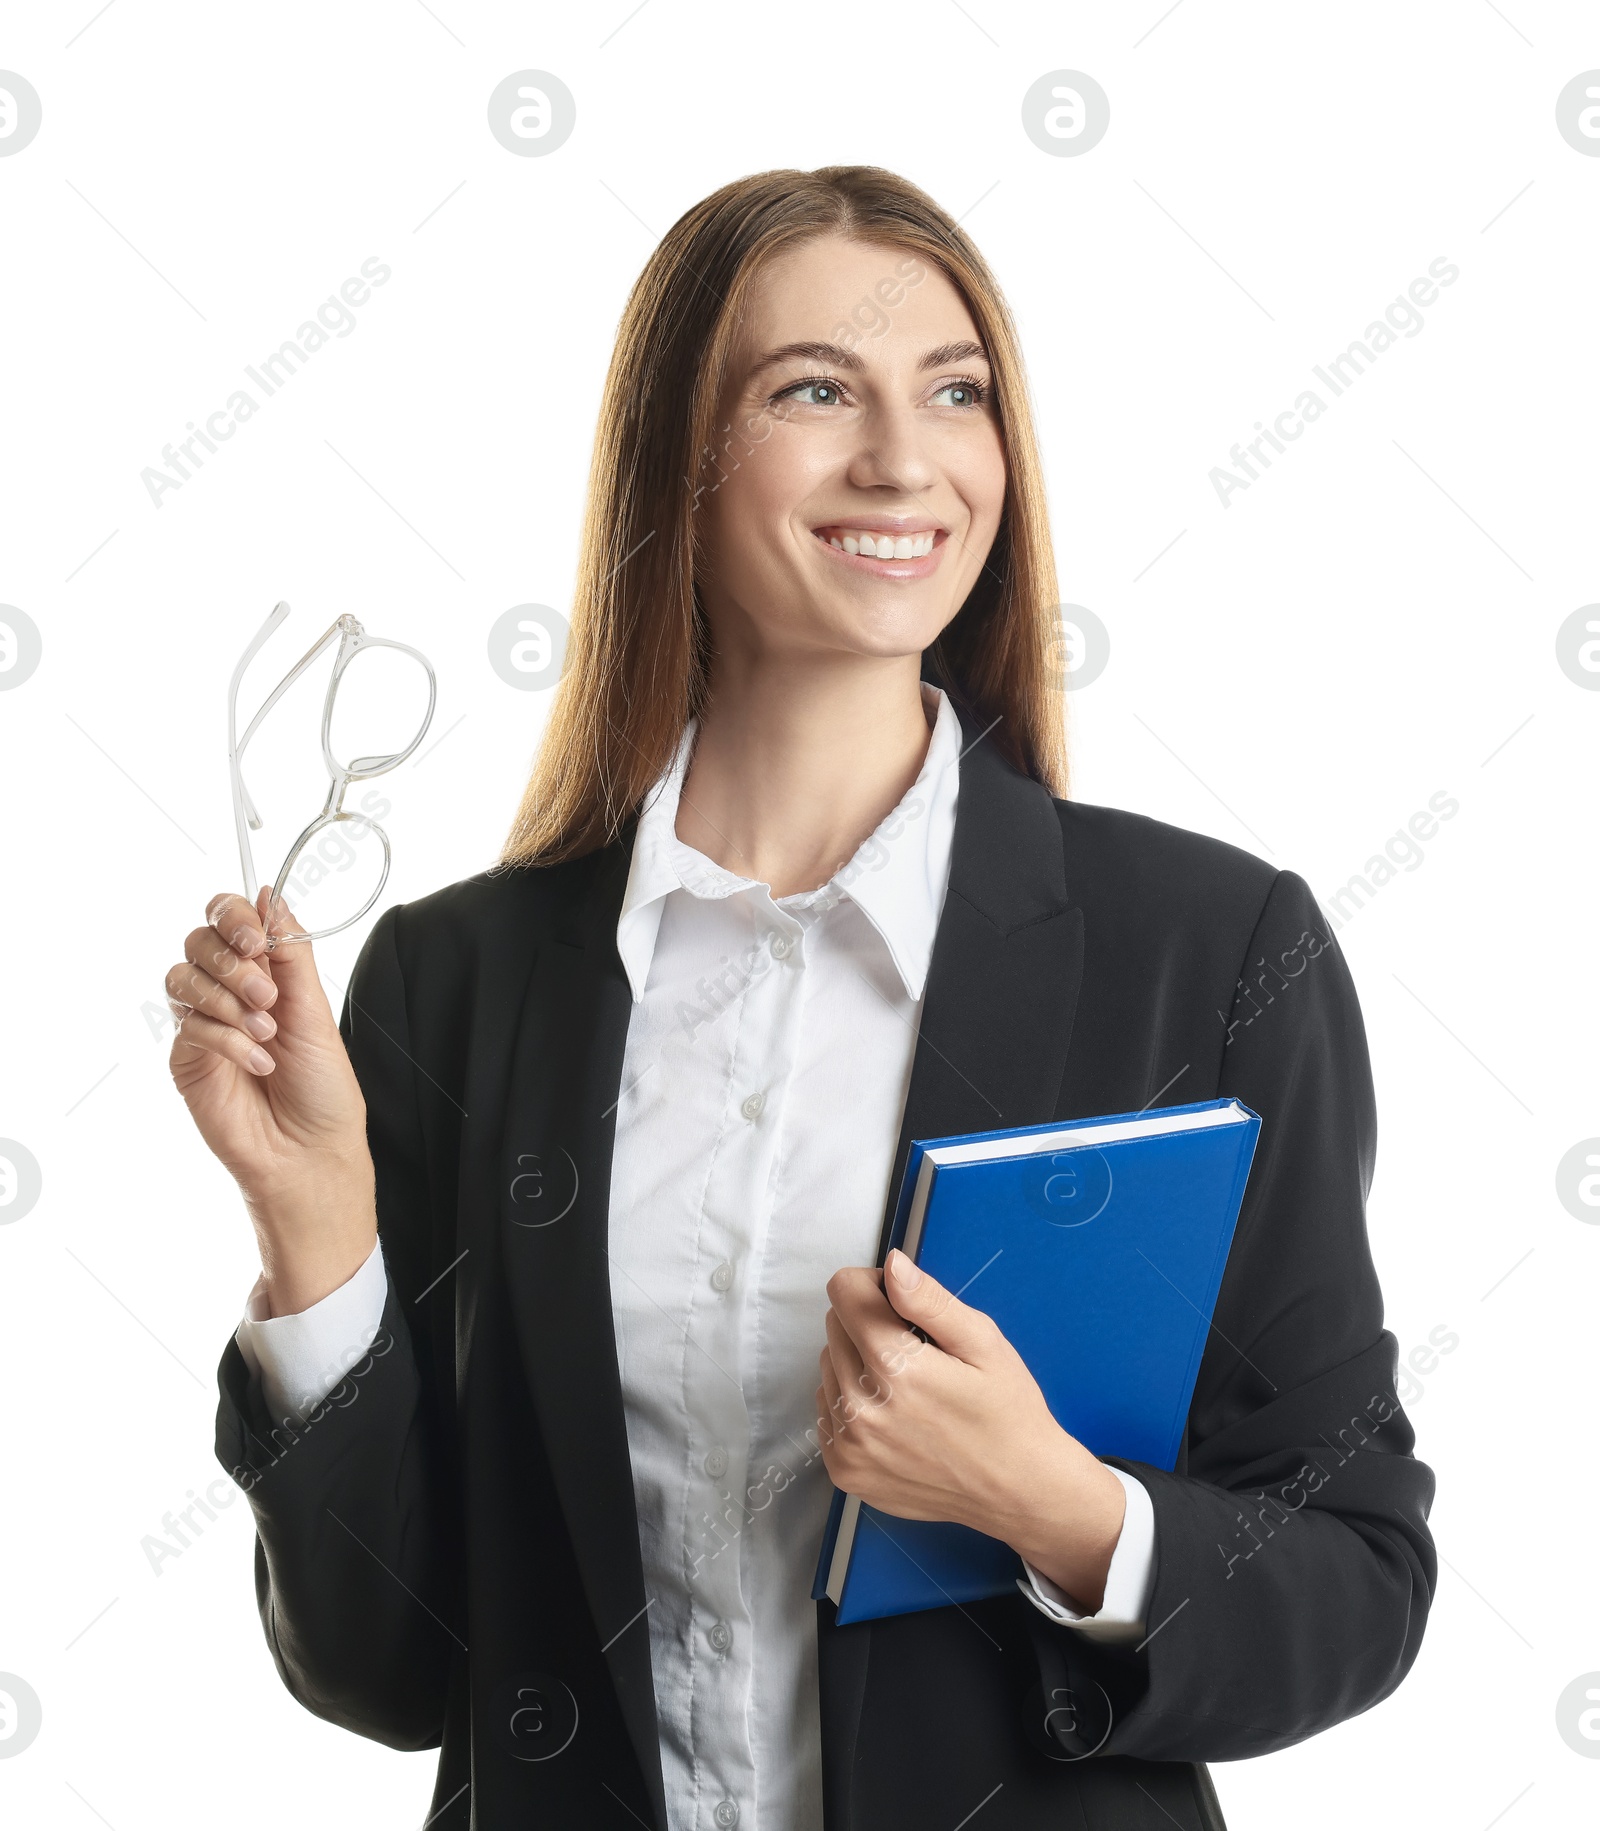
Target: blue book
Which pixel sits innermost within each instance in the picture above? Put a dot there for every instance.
(1098, 1246)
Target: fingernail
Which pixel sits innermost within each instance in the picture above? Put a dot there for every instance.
(259, 989)
(260, 1025)
(245, 940)
(260, 1061)
(906, 1274)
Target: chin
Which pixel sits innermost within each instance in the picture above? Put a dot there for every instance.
(811, 616)
(898, 630)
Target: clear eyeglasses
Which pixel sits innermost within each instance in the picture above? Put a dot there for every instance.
(353, 640)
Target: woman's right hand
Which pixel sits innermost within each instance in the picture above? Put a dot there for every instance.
(259, 1060)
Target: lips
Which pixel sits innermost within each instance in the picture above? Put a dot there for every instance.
(881, 544)
(885, 547)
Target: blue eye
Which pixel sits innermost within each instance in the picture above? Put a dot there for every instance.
(822, 393)
(970, 393)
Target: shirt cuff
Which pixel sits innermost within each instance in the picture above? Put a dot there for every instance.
(1121, 1614)
(300, 1359)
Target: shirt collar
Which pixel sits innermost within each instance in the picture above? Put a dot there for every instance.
(896, 877)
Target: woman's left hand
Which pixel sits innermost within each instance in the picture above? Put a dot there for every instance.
(956, 1428)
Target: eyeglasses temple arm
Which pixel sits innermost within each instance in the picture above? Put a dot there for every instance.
(244, 809)
(244, 813)
(284, 685)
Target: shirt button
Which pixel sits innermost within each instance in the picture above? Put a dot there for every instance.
(721, 1637)
(726, 1814)
(716, 1464)
(722, 1277)
(751, 1105)
(782, 947)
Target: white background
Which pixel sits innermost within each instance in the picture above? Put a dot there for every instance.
(1377, 614)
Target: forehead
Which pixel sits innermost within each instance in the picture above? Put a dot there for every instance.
(866, 294)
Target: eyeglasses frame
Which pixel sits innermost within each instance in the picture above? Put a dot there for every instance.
(353, 640)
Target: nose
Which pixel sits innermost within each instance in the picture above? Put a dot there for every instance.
(891, 453)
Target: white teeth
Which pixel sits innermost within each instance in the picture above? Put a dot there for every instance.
(885, 546)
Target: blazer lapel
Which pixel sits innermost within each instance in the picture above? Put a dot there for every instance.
(1007, 964)
(553, 1201)
(991, 1050)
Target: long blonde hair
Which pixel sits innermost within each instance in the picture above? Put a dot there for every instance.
(638, 654)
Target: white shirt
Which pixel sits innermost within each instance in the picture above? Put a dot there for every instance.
(768, 1057)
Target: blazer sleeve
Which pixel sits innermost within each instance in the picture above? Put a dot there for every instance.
(1293, 1561)
(349, 1576)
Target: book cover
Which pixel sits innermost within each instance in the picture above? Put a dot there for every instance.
(1098, 1246)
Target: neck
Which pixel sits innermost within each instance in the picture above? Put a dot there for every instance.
(795, 763)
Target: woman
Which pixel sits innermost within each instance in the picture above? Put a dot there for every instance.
(561, 1223)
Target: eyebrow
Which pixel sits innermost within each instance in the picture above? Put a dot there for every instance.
(837, 356)
(948, 353)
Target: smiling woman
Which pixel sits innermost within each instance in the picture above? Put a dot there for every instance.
(858, 339)
(606, 1145)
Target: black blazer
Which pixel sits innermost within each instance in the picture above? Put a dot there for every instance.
(448, 1550)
